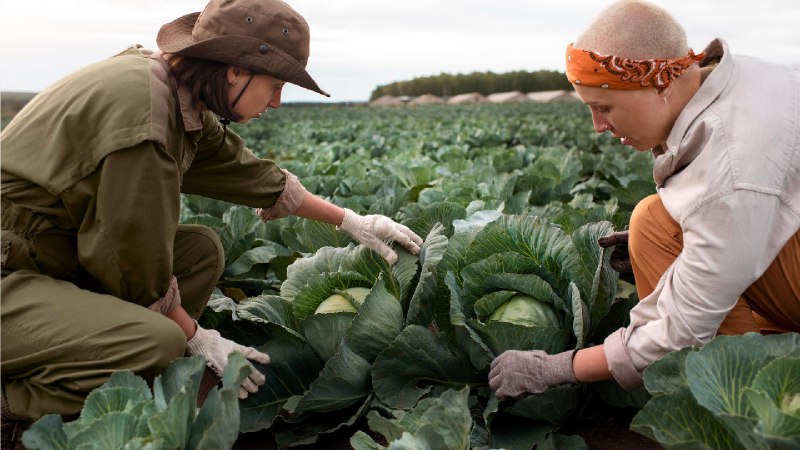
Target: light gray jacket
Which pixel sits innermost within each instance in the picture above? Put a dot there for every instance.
(730, 176)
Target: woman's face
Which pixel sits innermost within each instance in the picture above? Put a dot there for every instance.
(639, 118)
(262, 93)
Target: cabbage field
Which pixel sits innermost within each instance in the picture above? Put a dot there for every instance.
(510, 200)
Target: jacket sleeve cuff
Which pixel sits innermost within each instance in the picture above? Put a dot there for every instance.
(290, 199)
(170, 300)
(619, 362)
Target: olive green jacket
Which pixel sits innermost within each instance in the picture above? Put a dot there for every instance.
(104, 155)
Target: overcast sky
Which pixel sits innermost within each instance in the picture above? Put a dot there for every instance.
(357, 45)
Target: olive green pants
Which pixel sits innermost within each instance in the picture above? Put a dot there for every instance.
(60, 341)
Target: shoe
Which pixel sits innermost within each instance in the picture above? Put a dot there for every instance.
(11, 427)
(11, 433)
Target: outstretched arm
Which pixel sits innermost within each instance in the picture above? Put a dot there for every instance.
(590, 364)
(315, 208)
(374, 231)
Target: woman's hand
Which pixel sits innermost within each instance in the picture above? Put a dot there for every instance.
(375, 231)
(216, 349)
(517, 372)
(620, 260)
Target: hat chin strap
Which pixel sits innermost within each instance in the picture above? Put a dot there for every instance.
(236, 100)
(224, 120)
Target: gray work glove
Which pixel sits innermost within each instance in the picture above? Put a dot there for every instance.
(216, 349)
(517, 372)
(375, 231)
(620, 259)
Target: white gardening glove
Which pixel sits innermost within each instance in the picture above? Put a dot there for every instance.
(517, 372)
(216, 349)
(375, 231)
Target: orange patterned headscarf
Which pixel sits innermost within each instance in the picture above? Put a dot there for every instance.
(588, 68)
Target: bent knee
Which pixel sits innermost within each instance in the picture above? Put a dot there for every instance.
(204, 242)
(652, 226)
(199, 260)
(642, 216)
(161, 341)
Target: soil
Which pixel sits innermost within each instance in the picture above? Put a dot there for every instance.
(608, 430)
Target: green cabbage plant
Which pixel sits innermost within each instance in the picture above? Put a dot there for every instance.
(737, 392)
(124, 413)
(337, 311)
(441, 422)
(524, 283)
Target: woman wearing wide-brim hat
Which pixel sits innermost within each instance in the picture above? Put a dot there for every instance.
(98, 275)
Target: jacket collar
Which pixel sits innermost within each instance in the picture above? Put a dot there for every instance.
(671, 159)
(191, 116)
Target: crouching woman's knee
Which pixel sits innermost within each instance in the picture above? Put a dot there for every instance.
(159, 341)
(652, 226)
(199, 260)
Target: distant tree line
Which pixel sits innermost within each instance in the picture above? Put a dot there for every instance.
(12, 102)
(448, 85)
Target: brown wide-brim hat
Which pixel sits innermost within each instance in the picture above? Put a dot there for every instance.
(263, 36)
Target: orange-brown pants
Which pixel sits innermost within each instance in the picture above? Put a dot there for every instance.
(770, 305)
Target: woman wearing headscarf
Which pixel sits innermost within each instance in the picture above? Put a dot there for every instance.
(98, 275)
(717, 249)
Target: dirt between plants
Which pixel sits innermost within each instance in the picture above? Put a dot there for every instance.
(606, 430)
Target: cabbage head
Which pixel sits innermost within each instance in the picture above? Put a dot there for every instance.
(340, 303)
(526, 311)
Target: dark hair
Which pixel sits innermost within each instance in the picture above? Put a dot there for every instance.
(206, 80)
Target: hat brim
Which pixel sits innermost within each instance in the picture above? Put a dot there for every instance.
(176, 37)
